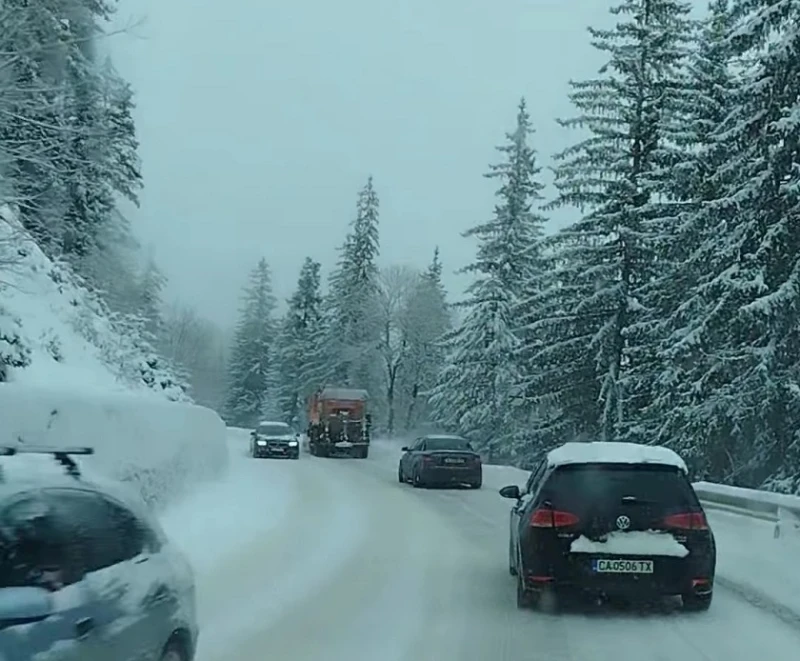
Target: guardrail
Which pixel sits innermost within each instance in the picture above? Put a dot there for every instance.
(782, 509)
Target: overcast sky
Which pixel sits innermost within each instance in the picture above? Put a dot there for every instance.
(260, 120)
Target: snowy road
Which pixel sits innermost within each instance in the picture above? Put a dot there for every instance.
(321, 560)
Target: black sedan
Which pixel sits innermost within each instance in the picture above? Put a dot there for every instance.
(274, 439)
(439, 460)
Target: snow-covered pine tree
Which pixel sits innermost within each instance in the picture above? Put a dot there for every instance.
(426, 320)
(353, 287)
(251, 364)
(484, 371)
(599, 324)
(104, 148)
(298, 350)
(149, 301)
(33, 127)
(743, 331)
(678, 414)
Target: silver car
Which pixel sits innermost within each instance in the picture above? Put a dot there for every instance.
(87, 574)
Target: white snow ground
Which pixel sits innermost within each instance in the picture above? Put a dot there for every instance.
(324, 559)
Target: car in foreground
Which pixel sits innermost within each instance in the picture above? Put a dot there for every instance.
(274, 439)
(86, 574)
(440, 459)
(610, 519)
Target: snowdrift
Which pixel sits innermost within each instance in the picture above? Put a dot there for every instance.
(159, 447)
(54, 330)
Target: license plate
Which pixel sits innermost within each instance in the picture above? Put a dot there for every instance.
(278, 449)
(451, 460)
(621, 566)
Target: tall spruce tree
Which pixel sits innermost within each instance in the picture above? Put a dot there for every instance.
(483, 373)
(353, 287)
(298, 350)
(252, 357)
(677, 415)
(426, 320)
(600, 313)
(739, 344)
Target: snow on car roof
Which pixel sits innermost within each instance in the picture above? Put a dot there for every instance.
(610, 452)
(343, 393)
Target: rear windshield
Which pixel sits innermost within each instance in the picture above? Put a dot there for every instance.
(575, 487)
(443, 443)
(274, 430)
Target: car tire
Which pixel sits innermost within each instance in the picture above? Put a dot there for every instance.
(417, 480)
(526, 599)
(173, 652)
(400, 477)
(478, 484)
(696, 603)
(512, 565)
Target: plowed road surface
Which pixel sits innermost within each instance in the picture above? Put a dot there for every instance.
(358, 567)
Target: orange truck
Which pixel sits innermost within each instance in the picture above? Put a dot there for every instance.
(338, 423)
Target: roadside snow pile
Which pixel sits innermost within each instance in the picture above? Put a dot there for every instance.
(160, 447)
(55, 331)
(635, 542)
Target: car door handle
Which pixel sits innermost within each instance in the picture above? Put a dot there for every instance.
(158, 595)
(84, 627)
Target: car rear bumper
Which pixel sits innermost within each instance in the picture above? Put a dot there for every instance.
(451, 475)
(670, 576)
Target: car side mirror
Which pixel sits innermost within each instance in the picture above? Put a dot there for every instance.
(511, 491)
(24, 606)
(405, 448)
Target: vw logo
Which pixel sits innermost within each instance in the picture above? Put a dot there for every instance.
(623, 522)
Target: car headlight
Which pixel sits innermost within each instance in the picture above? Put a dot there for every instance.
(261, 443)
(292, 444)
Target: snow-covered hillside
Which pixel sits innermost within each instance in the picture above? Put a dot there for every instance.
(55, 332)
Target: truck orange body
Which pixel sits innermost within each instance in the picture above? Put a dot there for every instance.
(338, 422)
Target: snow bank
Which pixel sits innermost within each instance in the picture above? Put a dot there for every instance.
(55, 331)
(607, 452)
(160, 447)
(635, 542)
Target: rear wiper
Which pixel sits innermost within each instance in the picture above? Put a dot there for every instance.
(635, 500)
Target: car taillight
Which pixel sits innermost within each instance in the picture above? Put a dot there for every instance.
(687, 521)
(427, 458)
(547, 518)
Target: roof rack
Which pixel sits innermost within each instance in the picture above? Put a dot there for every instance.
(61, 455)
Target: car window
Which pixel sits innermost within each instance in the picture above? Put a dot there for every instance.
(447, 443)
(35, 549)
(535, 477)
(106, 532)
(658, 488)
(274, 429)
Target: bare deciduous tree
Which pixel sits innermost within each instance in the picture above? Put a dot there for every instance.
(395, 285)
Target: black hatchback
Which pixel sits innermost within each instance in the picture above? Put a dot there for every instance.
(611, 519)
(439, 460)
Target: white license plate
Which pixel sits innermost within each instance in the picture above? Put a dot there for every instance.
(450, 460)
(621, 566)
